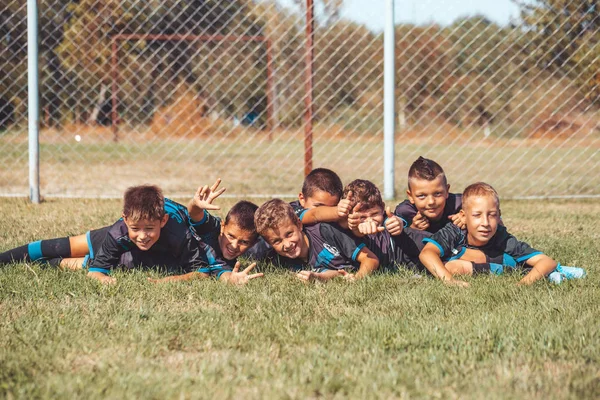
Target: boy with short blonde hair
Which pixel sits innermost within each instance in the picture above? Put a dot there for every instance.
(481, 210)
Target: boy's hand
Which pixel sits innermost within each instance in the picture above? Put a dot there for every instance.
(343, 207)
(456, 282)
(347, 275)
(420, 222)
(102, 278)
(354, 218)
(205, 196)
(459, 220)
(241, 278)
(306, 276)
(393, 223)
(370, 227)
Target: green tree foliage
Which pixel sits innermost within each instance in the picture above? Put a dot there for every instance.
(567, 37)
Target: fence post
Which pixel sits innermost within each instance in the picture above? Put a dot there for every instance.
(389, 105)
(33, 101)
(308, 86)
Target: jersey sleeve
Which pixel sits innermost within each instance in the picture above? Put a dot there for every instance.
(107, 256)
(519, 251)
(348, 246)
(209, 224)
(298, 209)
(448, 240)
(406, 211)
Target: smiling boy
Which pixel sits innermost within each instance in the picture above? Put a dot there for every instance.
(430, 205)
(325, 248)
(481, 210)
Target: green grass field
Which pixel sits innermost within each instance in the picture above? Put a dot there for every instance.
(390, 336)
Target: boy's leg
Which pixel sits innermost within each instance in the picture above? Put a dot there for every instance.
(41, 249)
(79, 246)
(460, 267)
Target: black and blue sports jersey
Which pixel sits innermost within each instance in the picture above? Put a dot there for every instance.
(329, 247)
(209, 229)
(298, 209)
(503, 248)
(407, 211)
(178, 245)
(393, 251)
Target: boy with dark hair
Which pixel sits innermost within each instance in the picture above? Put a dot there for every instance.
(430, 205)
(145, 225)
(321, 188)
(481, 210)
(179, 246)
(323, 247)
(386, 238)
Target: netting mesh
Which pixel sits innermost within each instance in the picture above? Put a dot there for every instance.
(178, 93)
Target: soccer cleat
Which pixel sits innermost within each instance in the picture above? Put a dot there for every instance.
(562, 273)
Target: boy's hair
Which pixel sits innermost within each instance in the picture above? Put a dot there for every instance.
(480, 189)
(272, 214)
(365, 192)
(322, 179)
(144, 202)
(242, 214)
(424, 168)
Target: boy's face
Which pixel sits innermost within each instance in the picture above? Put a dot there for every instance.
(429, 197)
(374, 213)
(234, 241)
(482, 216)
(145, 232)
(319, 198)
(288, 240)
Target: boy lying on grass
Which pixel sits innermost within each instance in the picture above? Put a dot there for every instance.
(481, 209)
(153, 231)
(324, 248)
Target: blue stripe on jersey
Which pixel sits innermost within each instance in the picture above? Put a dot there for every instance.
(508, 260)
(34, 249)
(403, 220)
(528, 256)
(222, 272)
(358, 249)
(88, 237)
(204, 270)
(496, 269)
(302, 214)
(324, 258)
(429, 240)
(101, 270)
(203, 220)
(85, 262)
(173, 210)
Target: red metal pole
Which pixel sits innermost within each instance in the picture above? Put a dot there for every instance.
(308, 97)
(115, 76)
(269, 94)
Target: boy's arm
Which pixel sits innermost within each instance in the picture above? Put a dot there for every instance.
(323, 276)
(319, 214)
(541, 265)
(203, 199)
(431, 258)
(368, 263)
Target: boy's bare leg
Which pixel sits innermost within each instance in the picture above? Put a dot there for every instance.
(79, 246)
(459, 267)
(73, 264)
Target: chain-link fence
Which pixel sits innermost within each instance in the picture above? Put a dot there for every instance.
(178, 93)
